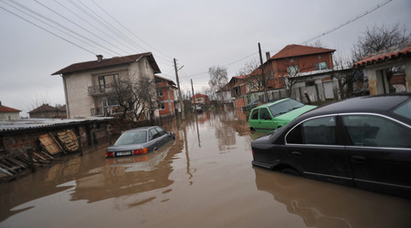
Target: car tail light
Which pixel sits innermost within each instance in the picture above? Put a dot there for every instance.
(140, 151)
(109, 154)
(252, 151)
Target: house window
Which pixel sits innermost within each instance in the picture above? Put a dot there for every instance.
(161, 106)
(321, 66)
(106, 81)
(160, 93)
(113, 101)
(309, 83)
(293, 70)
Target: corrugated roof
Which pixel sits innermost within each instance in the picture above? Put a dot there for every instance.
(97, 64)
(384, 55)
(293, 50)
(26, 124)
(8, 109)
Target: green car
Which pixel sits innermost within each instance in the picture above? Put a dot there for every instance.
(271, 116)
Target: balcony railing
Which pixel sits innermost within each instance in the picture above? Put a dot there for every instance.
(98, 90)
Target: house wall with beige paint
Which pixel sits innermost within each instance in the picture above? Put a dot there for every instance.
(82, 88)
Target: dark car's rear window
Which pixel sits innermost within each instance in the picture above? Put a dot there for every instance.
(131, 137)
(404, 110)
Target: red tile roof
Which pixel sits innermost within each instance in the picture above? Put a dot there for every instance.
(96, 64)
(383, 55)
(299, 50)
(47, 107)
(8, 109)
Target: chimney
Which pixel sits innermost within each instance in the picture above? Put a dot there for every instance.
(267, 55)
(99, 58)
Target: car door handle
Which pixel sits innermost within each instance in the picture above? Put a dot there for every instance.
(358, 158)
(296, 153)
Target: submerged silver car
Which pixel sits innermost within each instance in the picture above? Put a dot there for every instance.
(139, 141)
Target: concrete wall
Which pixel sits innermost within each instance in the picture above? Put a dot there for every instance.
(7, 116)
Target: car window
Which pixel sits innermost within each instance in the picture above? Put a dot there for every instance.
(264, 114)
(370, 130)
(160, 131)
(404, 110)
(315, 131)
(281, 108)
(254, 115)
(295, 104)
(153, 134)
(132, 137)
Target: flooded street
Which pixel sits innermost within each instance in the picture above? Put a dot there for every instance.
(202, 179)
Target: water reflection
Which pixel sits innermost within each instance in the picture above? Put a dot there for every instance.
(322, 204)
(130, 181)
(125, 176)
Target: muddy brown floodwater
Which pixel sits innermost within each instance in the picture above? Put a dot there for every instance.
(202, 179)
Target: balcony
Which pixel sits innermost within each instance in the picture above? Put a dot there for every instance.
(100, 91)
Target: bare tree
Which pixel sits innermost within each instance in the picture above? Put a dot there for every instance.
(377, 38)
(248, 68)
(218, 78)
(318, 44)
(136, 99)
(292, 74)
(344, 73)
(253, 75)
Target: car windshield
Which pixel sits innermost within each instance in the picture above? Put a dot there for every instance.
(404, 110)
(131, 137)
(285, 106)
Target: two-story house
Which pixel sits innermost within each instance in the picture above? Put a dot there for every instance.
(166, 94)
(296, 71)
(298, 68)
(89, 87)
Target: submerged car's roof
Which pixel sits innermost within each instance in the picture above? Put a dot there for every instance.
(145, 128)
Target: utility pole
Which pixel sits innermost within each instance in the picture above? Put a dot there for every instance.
(192, 89)
(262, 73)
(183, 116)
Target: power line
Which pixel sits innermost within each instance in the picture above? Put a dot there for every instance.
(83, 48)
(84, 29)
(129, 30)
(350, 21)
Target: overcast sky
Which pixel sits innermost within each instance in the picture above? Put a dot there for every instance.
(199, 34)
